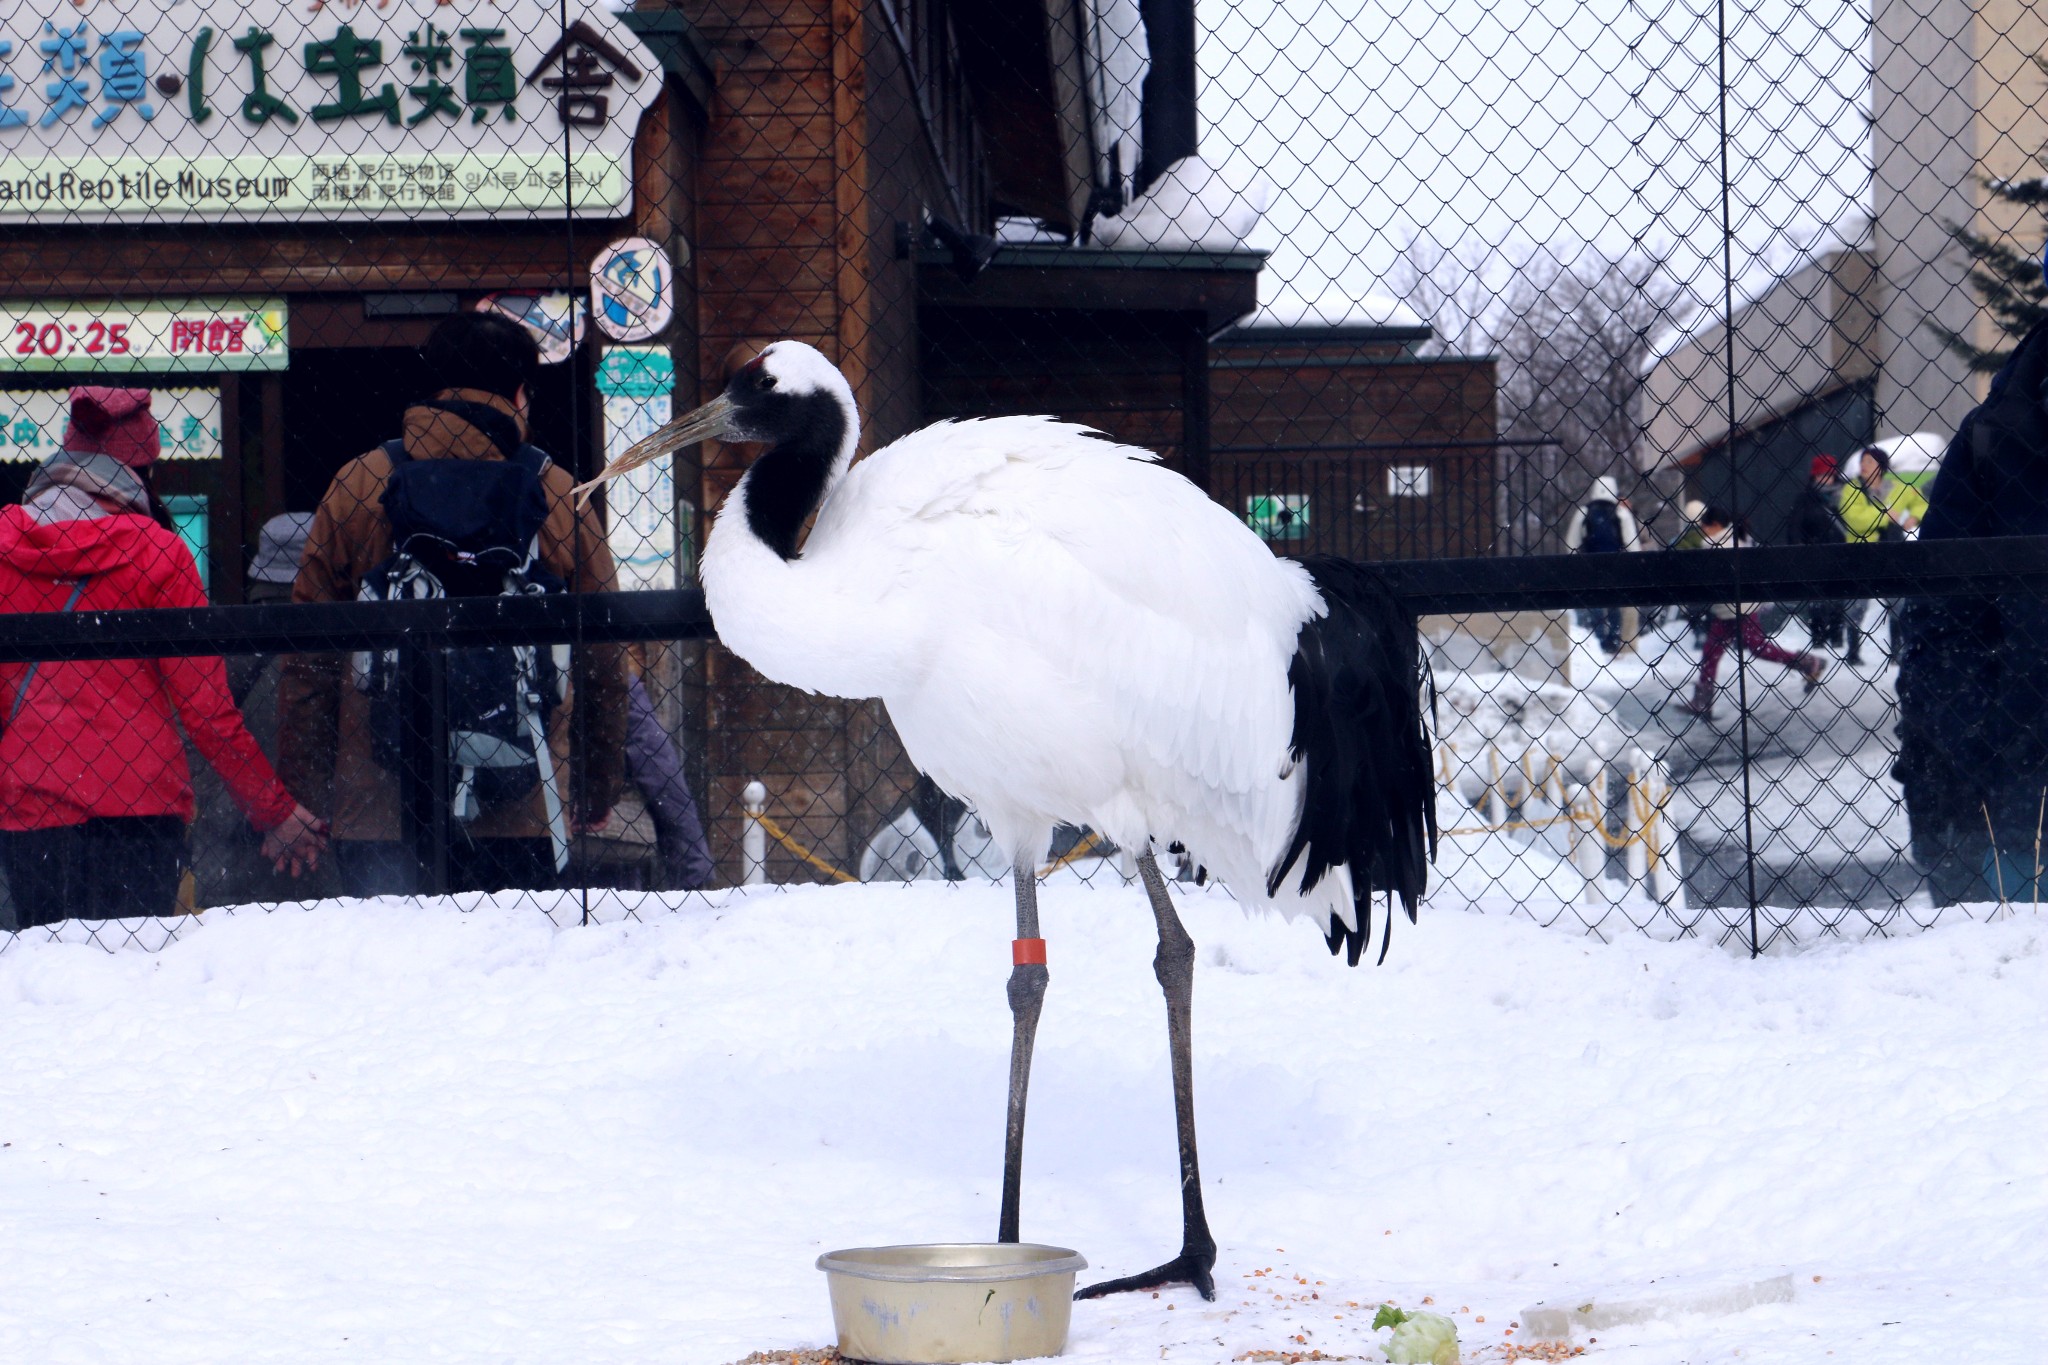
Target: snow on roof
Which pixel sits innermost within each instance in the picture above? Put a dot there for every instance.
(1191, 207)
(1334, 308)
(1028, 232)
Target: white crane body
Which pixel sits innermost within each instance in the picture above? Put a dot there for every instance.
(1065, 632)
(1062, 632)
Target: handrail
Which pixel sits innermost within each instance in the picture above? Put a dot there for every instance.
(1791, 573)
(285, 627)
(1424, 587)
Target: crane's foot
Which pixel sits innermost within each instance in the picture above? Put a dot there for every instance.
(1190, 1267)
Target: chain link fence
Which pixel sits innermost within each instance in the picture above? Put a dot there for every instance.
(1544, 297)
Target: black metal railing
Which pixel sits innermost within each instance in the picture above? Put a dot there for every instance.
(1735, 780)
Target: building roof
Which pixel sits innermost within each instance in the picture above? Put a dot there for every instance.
(1332, 317)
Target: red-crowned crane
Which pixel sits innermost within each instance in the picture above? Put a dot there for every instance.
(1065, 632)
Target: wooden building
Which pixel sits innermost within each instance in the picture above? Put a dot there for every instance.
(282, 218)
(1333, 436)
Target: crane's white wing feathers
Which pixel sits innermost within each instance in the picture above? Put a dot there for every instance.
(1088, 636)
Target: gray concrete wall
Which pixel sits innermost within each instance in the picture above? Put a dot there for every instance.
(1926, 165)
(1812, 332)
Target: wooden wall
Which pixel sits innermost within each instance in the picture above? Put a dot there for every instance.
(810, 160)
(1345, 393)
(1326, 420)
(1122, 373)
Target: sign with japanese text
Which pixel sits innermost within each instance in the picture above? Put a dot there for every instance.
(187, 420)
(159, 335)
(637, 386)
(249, 109)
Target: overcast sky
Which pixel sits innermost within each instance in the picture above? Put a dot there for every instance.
(1508, 124)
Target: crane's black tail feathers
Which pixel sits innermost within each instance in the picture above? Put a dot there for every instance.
(1361, 732)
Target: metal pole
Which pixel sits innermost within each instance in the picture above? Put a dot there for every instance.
(423, 788)
(1735, 477)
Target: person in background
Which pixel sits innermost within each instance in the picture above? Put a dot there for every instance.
(1817, 520)
(1690, 537)
(95, 794)
(1735, 623)
(657, 770)
(279, 547)
(225, 864)
(1877, 507)
(1603, 525)
(483, 364)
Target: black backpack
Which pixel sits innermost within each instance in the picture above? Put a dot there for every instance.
(1602, 533)
(471, 528)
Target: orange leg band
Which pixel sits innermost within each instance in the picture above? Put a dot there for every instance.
(1027, 951)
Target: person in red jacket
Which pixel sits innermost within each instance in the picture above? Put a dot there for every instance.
(95, 793)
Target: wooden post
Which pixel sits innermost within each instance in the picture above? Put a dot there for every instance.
(271, 391)
(1194, 400)
(230, 529)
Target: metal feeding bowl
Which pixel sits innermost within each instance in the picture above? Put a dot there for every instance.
(946, 1303)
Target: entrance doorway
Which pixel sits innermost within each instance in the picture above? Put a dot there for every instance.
(340, 402)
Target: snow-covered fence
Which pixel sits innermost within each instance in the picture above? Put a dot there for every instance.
(1538, 774)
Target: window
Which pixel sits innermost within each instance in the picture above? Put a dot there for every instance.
(1407, 480)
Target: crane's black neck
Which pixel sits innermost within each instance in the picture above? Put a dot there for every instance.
(786, 484)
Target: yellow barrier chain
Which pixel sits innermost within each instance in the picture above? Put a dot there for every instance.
(776, 833)
(1080, 850)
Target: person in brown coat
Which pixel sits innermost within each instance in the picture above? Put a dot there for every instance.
(325, 743)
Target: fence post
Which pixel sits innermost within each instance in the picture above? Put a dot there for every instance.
(424, 785)
(1666, 873)
(754, 836)
(1639, 821)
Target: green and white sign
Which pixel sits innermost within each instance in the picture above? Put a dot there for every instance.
(159, 335)
(246, 109)
(637, 387)
(32, 423)
(1278, 516)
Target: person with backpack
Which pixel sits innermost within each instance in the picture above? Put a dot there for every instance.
(1603, 526)
(458, 505)
(95, 792)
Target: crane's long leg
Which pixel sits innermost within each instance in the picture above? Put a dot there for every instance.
(1174, 965)
(1028, 978)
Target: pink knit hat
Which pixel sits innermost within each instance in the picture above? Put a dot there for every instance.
(113, 422)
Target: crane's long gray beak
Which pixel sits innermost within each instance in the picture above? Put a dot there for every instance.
(712, 420)
(709, 422)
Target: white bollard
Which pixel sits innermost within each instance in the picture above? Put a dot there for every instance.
(1588, 847)
(754, 838)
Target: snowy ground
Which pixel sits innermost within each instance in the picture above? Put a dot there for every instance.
(386, 1133)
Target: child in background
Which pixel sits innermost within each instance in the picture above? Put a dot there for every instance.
(1735, 623)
